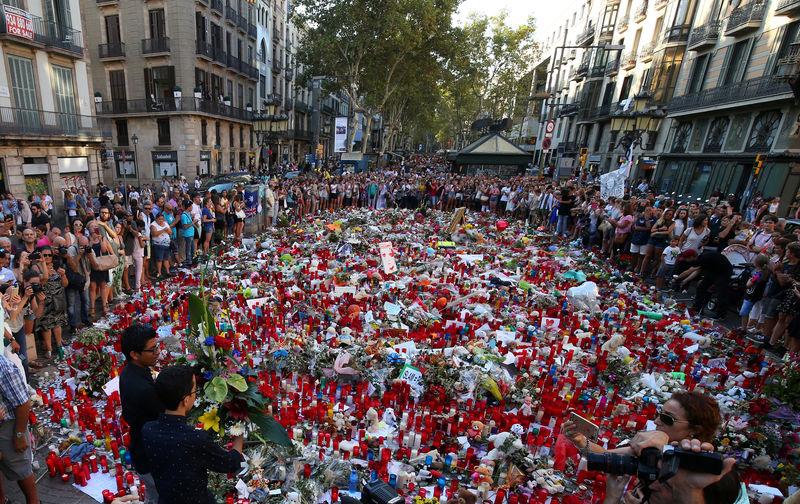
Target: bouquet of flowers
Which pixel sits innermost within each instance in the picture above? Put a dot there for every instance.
(232, 398)
(91, 360)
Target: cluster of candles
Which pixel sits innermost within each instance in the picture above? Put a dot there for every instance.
(303, 403)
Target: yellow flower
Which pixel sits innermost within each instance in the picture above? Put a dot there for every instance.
(726, 441)
(210, 420)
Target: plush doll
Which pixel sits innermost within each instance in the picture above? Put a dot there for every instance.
(464, 496)
(372, 419)
(499, 440)
(482, 474)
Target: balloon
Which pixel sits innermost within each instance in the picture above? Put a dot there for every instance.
(502, 225)
(353, 310)
(441, 302)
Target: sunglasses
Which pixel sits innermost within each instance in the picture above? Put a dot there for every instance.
(669, 420)
(47, 255)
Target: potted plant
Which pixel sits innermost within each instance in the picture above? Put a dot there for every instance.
(176, 92)
(249, 107)
(98, 97)
(198, 92)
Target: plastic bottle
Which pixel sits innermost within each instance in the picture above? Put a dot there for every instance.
(353, 486)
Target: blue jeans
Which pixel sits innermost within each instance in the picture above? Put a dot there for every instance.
(77, 306)
(561, 227)
(189, 248)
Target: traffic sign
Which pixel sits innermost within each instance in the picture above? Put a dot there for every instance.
(546, 143)
(550, 126)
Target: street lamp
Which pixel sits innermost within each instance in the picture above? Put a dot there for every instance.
(135, 140)
(636, 122)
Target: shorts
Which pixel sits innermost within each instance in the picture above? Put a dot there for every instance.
(128, 261)
(665, 271)
(15, 466)
(160, 252)
(173, 247)
(770, 307)
(749, 308)
(657, 243)
(638, 249)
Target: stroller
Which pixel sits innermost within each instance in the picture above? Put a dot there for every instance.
(742, 269)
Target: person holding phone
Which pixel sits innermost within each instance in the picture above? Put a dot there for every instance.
(19, 302)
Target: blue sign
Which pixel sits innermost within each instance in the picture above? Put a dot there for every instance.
(310, 158)
(546, 143)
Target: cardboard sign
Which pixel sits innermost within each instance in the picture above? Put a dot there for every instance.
(413, 377)
(550, 324)
(387, 257)
(458, 216)
(344, 289)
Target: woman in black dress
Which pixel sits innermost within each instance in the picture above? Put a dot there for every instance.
(98, 278)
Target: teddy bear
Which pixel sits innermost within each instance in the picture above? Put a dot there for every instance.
(498, 440)
(614, 342)
(475, 430)
(482, 474)
(464, 496)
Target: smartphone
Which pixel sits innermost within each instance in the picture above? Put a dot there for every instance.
(585, 426)
(13, 291)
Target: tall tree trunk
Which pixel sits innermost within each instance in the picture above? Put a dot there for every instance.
(367, 134)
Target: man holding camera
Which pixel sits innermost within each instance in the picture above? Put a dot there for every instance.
(682, 487)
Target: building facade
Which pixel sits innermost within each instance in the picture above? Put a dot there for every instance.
(178, 83)
(699, 88)
(50, 138)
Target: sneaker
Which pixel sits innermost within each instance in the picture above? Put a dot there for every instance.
(757, 338)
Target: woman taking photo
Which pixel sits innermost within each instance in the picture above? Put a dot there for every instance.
(54, 313)
(98, 278)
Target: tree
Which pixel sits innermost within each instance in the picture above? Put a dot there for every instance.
(369, 49)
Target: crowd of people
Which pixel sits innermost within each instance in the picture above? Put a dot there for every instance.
(60, 270)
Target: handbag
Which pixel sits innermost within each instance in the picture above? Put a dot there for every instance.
(240, 214)
(106, 262)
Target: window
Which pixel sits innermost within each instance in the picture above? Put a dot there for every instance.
(250, 98)
(716, 134)
(765, 128)
(216, 86)
(218, 133)
(65, 98)
(58, 12)
(240, 95)
(698, 76)
(684, 13)
(122, 132)
(158, 27)
(216, 36)
(681, 139)
(241, 137)
(735, 62)
(625, 91)
(658, 28)
(203, 132)
(201, 80)
(230, 89)
(200, 27)
(262, 88)
(666, 74)
(251, 137)
(163, 131)
(159, 82)
(787, 35)
(24, 91)
(262, 56)
(112, 29)
(230, 135)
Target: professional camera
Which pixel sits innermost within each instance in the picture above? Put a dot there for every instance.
(645, 466)
(62, 250)
(37, 287)
(35, 256)
(87, 249)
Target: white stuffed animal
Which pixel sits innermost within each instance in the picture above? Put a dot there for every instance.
(499, 440)
(614, 342)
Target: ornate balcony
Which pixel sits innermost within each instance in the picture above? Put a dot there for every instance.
(230, 15)
(216, 5)
(612, 67)
(622, 24)
(586, 38)
(628, 60)
(746, 18)
(155, 46)
(788, 7)
(29, 123)
(704, 36)
(111, 52)
(659, 4)
(761, 87)
(677, 35)
(641, 12)
(183, 104)
(49, 35)
(646, 52)
(788, 67)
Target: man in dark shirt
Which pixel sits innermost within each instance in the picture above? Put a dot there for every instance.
(180, 456)
(716, 271)
(140, 402)
(39, 217)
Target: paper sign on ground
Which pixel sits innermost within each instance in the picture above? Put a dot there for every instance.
(252, 303)
(550, 324)
(387, 257)
(344, 289)
(112, 386)
(413, 377)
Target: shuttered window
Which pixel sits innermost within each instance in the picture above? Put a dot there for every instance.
(65, 98)
(24, 88)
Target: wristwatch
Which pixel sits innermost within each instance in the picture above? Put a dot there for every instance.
(19, 435)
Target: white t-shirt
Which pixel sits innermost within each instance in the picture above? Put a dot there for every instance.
(693, 240)
(671, 255)
(163, 238)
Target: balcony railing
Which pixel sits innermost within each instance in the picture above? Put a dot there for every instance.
(586, 37)
(646, 52)
(659, 4)
(230, 14)
(641, 11)
(787, 7)
(568, 109)
(107, 2)
(597, 71)
(583, 69)
(252, 31)
(115, 50)
(49, 34)
(628, 60)
(704, 36)
(622, 24)
(289, 74)
(219, 55)
(241, 23)
(203, 49)
(327, 109)
(155, 45)
(16, 121)
(216, 5)
(678, 34)
(183, 104)
(302, 106)
(288, 103)
(303, 134)
(234, 63)
(746, 17)
(276, 66)
(761, 87)
(612, 67)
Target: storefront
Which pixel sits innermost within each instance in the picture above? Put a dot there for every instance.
(205, 163)
(165, 164)
(74, 173)
(126, 163)
(36, 177)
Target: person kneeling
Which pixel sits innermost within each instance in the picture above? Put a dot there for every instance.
(180, 456)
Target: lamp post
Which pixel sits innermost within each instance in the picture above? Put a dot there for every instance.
(635, 123)
(135, 140)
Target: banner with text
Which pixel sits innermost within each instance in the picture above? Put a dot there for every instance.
(18, 22)
(340, 135)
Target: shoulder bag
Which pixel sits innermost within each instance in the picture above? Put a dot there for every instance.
(106, 262)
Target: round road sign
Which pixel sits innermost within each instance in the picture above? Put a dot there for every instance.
(546, 143)
(550, 126)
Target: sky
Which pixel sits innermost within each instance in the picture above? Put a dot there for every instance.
(518, 11)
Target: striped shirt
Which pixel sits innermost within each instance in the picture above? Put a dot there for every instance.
(13, 390)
